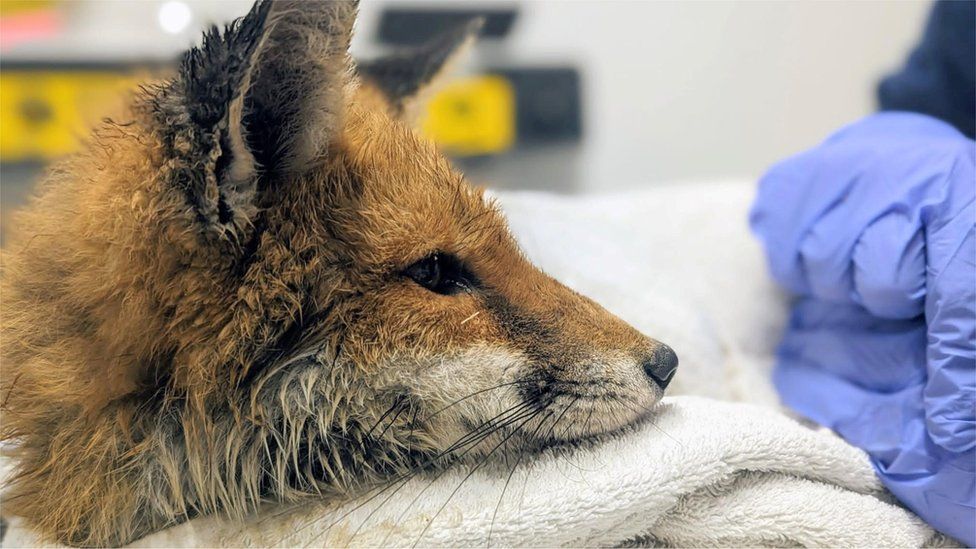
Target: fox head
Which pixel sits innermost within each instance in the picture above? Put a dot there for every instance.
(261, 285)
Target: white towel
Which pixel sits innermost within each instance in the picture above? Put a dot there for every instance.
(678, 263)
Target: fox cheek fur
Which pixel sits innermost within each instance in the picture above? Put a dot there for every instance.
(263, 286)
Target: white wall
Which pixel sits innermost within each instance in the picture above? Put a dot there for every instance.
(691, 90)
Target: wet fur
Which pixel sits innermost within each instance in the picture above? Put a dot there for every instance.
(205, 310)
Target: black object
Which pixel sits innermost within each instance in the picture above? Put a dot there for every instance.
(938, 79)
(548, 103)
(415, 26)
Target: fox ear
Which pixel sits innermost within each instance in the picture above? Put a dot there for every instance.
(265, 98)
(408, 78)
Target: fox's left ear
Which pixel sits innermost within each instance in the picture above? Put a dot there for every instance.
(408, 78)
(262, 101)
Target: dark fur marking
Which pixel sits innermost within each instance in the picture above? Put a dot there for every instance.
(530, 333)
(538, 341)
(211, 74)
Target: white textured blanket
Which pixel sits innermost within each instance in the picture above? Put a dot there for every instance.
(678, 263)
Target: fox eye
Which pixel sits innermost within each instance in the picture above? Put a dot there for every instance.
(441, 273)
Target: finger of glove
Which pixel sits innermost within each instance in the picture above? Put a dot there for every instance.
(889, 265)
(892, 254)
(891, 427)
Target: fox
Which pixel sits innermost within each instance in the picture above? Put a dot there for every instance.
(260, 284)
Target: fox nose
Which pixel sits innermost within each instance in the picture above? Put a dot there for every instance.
(661, 365)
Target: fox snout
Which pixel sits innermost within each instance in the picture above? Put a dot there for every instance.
(579, 360)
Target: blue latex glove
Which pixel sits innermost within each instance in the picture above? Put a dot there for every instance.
(873, 231)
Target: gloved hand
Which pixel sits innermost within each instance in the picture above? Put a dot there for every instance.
(873, 231)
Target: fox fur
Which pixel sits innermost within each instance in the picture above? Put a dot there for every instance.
(228, 298)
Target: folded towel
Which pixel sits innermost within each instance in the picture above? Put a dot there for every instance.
(704, 472)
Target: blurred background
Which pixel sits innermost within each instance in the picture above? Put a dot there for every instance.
(563, 96)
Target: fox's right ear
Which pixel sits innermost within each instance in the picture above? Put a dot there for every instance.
(264, 100)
